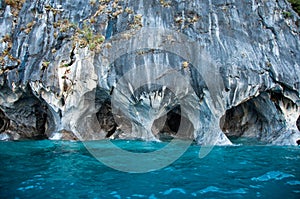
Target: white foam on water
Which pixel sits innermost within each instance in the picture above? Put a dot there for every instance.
(272, 175)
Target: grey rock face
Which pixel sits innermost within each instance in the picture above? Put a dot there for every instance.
(203, 70)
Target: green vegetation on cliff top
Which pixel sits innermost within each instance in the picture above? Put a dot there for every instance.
(295, 5)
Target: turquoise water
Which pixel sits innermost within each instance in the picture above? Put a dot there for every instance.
(57, 169)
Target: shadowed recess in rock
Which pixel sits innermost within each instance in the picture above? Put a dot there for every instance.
(26, 119)
(4, 122)
(264, 118)
(106, 119)
(167, 126)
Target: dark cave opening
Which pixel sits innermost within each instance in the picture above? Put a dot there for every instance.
(1, 123)
(298, 123)
(110, 122)
(242, 121)
(259, 118)
(165, 128)
(30, 121)
(41, 114)
(26, 118)
(106, 119)
(4, 122)
(238, 120)
(174, 119)
(168, 126)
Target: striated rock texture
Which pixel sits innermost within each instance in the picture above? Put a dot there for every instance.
(205, 70)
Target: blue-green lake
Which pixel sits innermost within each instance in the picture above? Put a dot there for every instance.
(61, 169)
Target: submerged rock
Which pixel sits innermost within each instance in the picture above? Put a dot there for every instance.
(151, 70)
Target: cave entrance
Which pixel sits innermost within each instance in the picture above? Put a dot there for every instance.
(164, 128)
(4, 122)
(242, 121)
(259, 119)
(109, 122)
(167, 127)
(106, 119)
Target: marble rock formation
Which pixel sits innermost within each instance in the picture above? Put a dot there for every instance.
(149, 69)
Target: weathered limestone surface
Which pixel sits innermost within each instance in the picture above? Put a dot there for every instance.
(206, 69)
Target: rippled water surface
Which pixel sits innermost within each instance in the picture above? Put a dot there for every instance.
(52, 169)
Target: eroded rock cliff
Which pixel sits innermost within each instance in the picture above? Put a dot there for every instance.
(149, 69)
